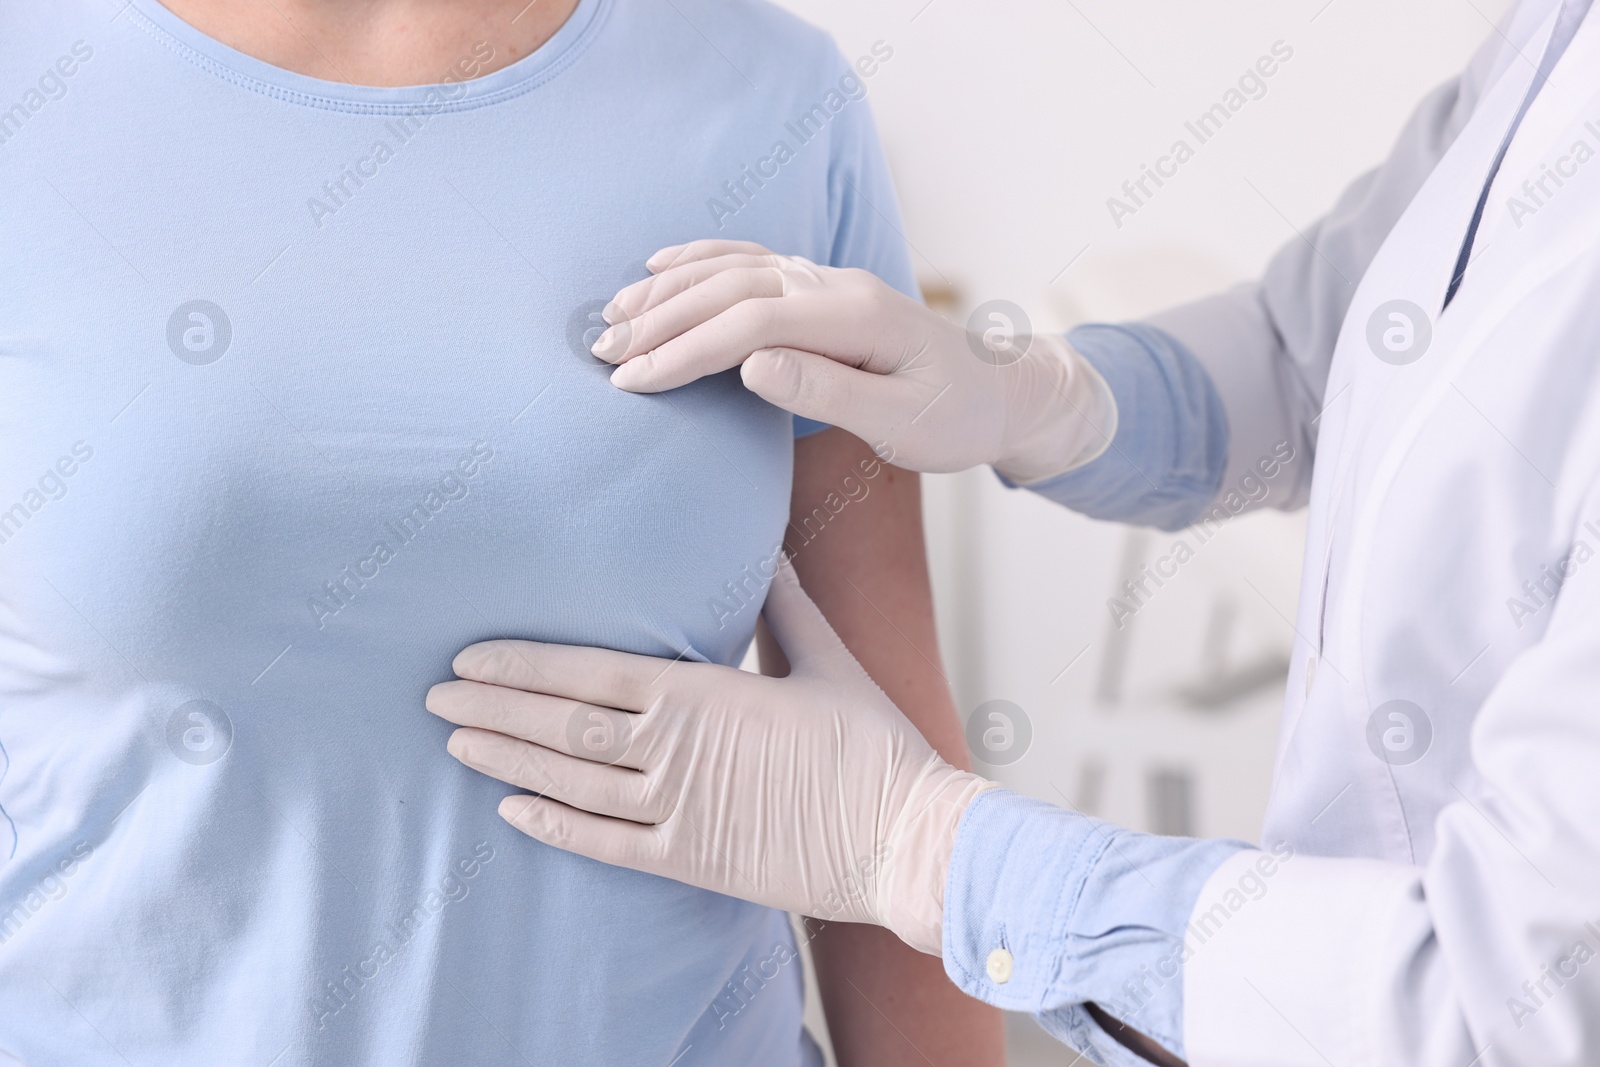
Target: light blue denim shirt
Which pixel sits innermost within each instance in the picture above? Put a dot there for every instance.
(1045, 909)
(1171, 449)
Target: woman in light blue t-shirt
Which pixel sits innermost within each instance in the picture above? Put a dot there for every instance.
(294, 300)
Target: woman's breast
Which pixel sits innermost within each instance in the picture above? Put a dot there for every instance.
(368, 473)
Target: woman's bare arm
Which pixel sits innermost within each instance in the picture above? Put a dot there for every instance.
(856, 540)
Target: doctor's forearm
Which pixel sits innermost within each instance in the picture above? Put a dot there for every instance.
(886, 1003)
(1165, 463)
(1047, 911)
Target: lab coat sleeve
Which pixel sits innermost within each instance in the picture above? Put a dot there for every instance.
(1267, 345)
(1489, 954)
(1217, 400)
(1079, 910)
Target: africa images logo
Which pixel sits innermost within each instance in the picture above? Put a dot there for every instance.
(199, 332)
(999, 333)
(1399, 733)
(999, 733)
(1399, 332)
(199, 733)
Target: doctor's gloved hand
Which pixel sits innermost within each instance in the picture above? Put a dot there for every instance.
(811, 793)
(842, 347)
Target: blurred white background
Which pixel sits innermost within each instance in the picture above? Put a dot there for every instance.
(1008, 124)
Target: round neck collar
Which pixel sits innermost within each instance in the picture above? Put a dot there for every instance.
(247, 72)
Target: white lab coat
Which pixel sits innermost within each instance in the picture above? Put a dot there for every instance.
(1442, 910)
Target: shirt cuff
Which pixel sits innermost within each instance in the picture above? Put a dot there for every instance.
(1047, 909)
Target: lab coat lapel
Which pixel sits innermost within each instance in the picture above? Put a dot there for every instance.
(1380, 400)
(1373, 369)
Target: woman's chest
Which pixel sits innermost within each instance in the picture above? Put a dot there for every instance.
(334, 455)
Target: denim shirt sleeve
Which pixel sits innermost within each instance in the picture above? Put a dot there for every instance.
(1166, 462)
(1046, 910)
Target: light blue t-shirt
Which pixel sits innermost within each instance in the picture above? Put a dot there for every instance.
(295, 406)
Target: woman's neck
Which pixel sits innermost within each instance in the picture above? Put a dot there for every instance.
(380, 42)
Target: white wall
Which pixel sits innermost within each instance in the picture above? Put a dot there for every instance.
(1008, 125)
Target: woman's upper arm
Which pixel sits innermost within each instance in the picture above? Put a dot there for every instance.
(855, 537)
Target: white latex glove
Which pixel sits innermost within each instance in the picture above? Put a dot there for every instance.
(810, 793)
(842, 347)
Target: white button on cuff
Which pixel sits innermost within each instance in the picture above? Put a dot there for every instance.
(999, 966)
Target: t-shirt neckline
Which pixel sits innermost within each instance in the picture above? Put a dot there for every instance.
(528, 73)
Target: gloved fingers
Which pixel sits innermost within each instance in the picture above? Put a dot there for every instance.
(600, 837)
(797, 624)
(593, 675)
(706, 248)
(634, 300)
(581, 783)
(686, 310)
(586, 731)
(813, 321)
(651, 849)
(816, 387)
